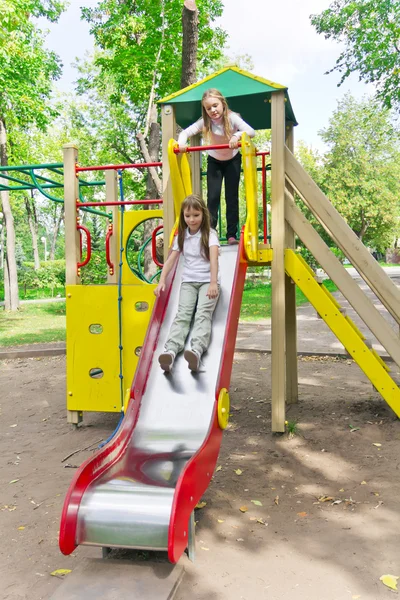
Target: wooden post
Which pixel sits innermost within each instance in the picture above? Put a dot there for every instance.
(71, 194)
(112, 196)
(278, 329)
(195, 166)
(292, 390)
(72, 237)
(168, 127)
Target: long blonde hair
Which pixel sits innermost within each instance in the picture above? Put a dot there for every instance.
(213, 93)
(196, 203)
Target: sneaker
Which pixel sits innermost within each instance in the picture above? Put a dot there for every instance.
(232, 241)
(193, 359)
(166, 360)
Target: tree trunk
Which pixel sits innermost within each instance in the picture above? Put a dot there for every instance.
(190, 32)
(11, 282)
(33, 226)
(58, 217)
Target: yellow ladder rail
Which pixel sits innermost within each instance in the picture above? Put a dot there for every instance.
(346, 332)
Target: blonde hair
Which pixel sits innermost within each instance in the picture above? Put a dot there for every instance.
(213, 93)
(196, 203)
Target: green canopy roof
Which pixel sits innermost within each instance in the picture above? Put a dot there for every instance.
(246, 94)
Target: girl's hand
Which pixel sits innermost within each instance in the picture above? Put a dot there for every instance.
(160, 288)
(212, 291)
(183, 148)
(233, 142)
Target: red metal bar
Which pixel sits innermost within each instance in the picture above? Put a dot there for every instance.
(201, 148)
(264, 197)
(263, 153)
(108, 258)
(88, 246)
(118, 167)
(119, 203)
(154, 245)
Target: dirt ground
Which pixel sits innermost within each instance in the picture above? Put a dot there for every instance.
(309, 517)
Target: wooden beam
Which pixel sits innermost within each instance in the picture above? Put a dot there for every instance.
(168, 126)
(292, 386)
(366, 310)
(71, 194)
(195, 166)
(278, 329)
(343, 236)
(112, 196)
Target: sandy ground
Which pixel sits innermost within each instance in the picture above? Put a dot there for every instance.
(310, 517)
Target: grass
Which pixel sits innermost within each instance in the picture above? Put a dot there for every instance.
(32, 324)
(41, 323)
(256, 303)
(36, 293)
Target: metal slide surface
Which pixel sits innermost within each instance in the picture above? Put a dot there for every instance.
(139, 490)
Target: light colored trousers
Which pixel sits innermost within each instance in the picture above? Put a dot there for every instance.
(190, 295)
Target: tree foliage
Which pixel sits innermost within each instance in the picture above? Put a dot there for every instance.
(370, 30)
(362, 169)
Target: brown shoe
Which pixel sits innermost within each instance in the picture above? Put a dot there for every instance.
(232, 241)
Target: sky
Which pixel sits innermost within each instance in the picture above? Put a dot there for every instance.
(279, 38)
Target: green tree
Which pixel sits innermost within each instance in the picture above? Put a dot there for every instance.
(26, 74)
(370, 31)
(361, 169)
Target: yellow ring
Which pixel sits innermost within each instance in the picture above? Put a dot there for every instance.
(223, 408)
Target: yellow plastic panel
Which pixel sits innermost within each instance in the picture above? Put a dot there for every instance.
(249, 161)
(344, 331)
(132, 219)
(134, 325)
(92, 306)
(186, 174)
(98, 306)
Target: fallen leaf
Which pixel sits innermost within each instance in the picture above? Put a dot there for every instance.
(375, 493)
(363, 483)
(238, 471)
(326, 498)
(218, 469)
(341, 490)
(390, 581)
(379, 504)
(239, 539)
(60, 572)
(262, 522)
(276, 500)
(13, 481)
(243, 509)
(204, 548)
(14, 425)
(355, 597)
(302, 514)
(377, 444)
(21, 528)
(221, 521)
(201, 504)
(256, 502)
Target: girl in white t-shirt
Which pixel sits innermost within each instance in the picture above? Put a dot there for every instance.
(219, 125)
(200, 284)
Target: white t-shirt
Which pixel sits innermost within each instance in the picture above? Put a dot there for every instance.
(196, 268)
(218, 135)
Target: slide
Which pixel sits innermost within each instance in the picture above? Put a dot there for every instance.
(139, 490)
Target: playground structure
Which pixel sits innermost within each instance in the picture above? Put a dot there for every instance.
(140, 489)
